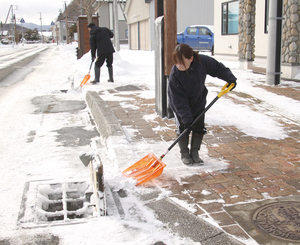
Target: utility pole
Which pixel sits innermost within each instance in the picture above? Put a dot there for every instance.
(12, 19)
(15, 27)
(116, 26)
(170, 32)
(42, 38)
(66, 13)
(56, 29)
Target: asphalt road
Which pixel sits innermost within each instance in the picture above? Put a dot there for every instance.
(17, 63)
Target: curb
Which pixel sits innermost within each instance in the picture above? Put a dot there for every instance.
(186, 224)
(106, 121)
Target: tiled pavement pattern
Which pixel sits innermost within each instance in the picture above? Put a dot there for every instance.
(258, 168)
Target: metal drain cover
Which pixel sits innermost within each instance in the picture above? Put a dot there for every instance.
(128, 88)
(280, 220)
(46, 203)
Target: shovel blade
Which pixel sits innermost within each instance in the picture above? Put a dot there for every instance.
(145, 169)
(85, 79)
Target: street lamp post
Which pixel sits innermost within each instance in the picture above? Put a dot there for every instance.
(22, 21)
(13, 30)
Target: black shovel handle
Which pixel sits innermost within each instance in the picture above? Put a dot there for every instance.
(224, 90)
(90, 67)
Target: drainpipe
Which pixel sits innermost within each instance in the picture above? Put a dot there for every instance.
(273, 75)
(116, 26)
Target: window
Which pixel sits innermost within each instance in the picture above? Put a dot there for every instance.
(204, 31)
(267, 4)
(230, 17)
(192, 30)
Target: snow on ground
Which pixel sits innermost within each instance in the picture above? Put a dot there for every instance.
(137, 68)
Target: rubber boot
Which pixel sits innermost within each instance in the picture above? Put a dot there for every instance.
(184, 150)
(97, 75)
(195, 147)
(110, 73)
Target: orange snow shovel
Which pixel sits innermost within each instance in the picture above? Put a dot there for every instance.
(86, 77)
(150, 166)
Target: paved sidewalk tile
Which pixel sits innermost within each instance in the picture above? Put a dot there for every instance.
(258, 168)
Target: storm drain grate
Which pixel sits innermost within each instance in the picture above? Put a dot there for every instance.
(280, 220)
(45, 202)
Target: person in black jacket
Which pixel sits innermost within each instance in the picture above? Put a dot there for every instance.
(187, 96)
(100, 41)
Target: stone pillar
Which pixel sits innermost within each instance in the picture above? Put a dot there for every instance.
(291, 32)
(246, 50)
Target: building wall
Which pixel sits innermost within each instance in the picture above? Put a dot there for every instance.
(104, 16)
(228, 44)
(134, 44)
(260, 36)
(106, 20)
(224, 44)
(290, 62)
(139, 35)
(138, 11)
(152, 25)
(194, 12)
(291, 32)
(144, 35)
(138, 19)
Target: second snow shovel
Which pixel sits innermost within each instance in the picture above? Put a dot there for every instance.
(86, 77)
(150, 166)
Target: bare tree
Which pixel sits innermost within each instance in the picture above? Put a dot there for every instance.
(89, 7)
(73, 11)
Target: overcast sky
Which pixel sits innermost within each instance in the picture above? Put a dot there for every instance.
(30, 10)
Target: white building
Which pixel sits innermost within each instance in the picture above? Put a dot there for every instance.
(241, 33)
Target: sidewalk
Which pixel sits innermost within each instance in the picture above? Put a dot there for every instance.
(256, 193)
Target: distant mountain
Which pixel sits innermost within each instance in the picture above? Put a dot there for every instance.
(12, 26)
(33, 26)
(25, 27)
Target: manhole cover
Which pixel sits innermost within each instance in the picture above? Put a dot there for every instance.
(280, 220)
(128, 88)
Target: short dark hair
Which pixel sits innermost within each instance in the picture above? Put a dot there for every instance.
(184, 51)
(90, 25)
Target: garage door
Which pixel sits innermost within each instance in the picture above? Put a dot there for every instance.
(139, 35)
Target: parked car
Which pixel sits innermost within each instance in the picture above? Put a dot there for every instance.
(199, 37)
(5, 41)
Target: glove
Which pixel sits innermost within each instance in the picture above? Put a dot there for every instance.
(93, 58)
(231, 82)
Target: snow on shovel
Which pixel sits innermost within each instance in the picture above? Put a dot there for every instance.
(150, 166)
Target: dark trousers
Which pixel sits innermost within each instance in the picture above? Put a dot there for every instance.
(198, 127)
(104, 57)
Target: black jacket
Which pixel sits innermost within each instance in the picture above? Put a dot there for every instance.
(100, 41)
(187, 91)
